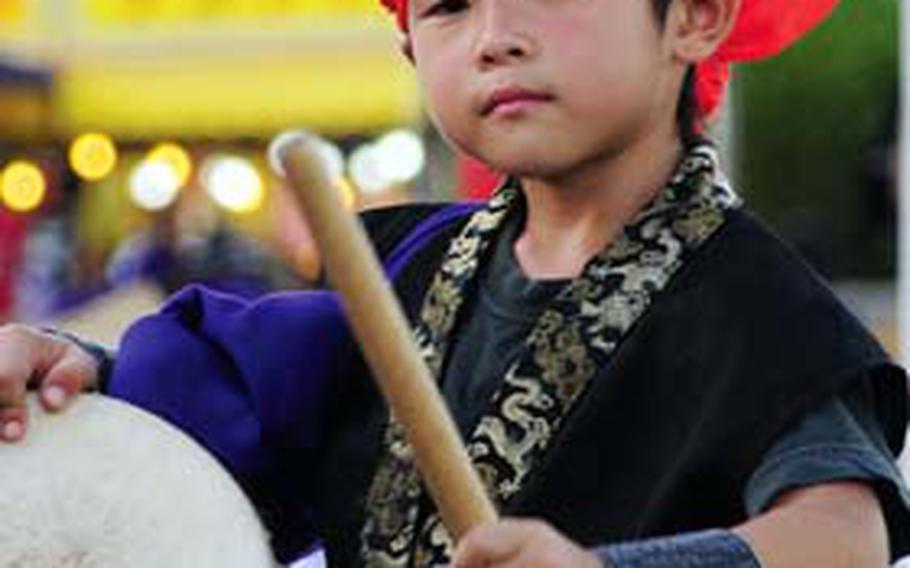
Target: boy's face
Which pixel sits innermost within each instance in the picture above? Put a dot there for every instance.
(541, 88)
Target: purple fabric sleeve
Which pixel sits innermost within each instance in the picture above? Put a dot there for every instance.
(232, 372)
(248, 379)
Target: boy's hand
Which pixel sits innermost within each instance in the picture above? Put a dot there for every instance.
(58, 368)
(516, 543)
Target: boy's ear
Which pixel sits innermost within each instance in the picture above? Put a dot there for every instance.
(407, 49)
(699, 27)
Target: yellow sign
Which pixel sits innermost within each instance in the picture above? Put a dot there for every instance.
(335, 94)
(232, 68)
(163, 11)
(12, 11)
(13, 17)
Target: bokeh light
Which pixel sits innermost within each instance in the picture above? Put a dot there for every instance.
(330, 154)
(233, 183)
(23, 186)
(395, 159)
(401, 156)
(366, 171)
(93, 156)
(176, 157)
(154, 185)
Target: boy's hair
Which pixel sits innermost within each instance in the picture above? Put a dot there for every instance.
(687, 123)
(661, 7)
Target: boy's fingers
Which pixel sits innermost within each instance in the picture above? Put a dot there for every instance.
(18, 360)
(12, 423)
(493, 543)
(13, 380)
(17, 363)
(27, 356)
(68, 377)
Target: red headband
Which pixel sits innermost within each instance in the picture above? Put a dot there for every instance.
(763, 28)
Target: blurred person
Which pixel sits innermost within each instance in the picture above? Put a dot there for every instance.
(290, 236)
(645, 376)
(191, 242)
(56, 273)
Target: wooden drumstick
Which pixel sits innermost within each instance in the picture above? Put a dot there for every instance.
(385, 338)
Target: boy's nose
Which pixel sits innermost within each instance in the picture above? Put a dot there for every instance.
(502, 51)
(501, 36)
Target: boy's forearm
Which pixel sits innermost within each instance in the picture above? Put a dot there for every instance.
(805, 529)
(838, 525)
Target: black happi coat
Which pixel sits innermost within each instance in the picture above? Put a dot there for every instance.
(648, 392)
(743, 341)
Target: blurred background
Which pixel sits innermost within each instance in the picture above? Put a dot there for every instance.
(134, 138)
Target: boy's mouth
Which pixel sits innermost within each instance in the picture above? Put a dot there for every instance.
(512, 98)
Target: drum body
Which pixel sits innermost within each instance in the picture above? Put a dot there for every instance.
(105, 484)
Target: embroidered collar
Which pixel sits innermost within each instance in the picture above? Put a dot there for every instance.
(573, 338)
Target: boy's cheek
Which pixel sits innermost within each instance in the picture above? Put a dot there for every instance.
(444, 93)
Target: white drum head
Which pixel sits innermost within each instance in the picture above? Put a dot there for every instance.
(107, 485)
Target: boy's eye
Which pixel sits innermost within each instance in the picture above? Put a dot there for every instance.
(445, 7)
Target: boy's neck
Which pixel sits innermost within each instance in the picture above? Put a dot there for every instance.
(572, 218)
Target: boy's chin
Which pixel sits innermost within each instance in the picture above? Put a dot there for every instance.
(540, 157)
(525, 167)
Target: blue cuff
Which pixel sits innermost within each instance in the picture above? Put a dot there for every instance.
(706, 549)
(103, 356)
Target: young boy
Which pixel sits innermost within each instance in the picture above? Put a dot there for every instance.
(631, 357)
